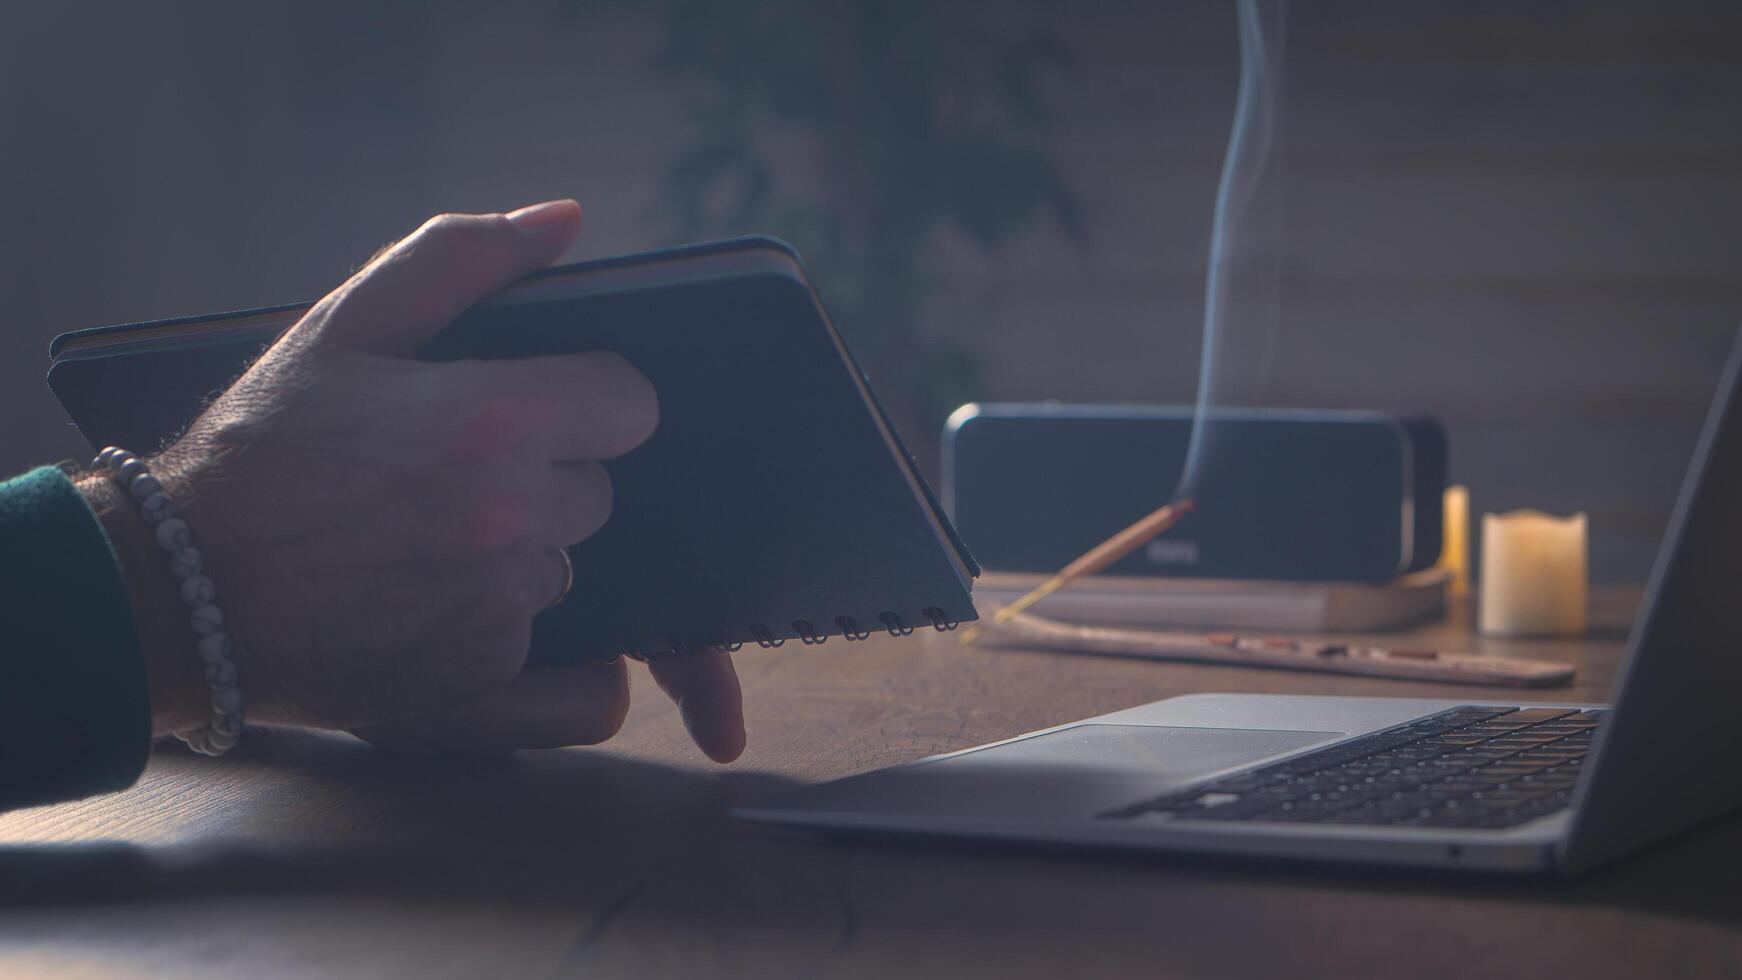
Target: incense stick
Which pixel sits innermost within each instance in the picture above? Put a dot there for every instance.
(1093, 560)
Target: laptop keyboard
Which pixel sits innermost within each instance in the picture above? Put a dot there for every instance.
(1472, 766)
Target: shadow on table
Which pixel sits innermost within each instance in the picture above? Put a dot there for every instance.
(332, 815)
(595, 830)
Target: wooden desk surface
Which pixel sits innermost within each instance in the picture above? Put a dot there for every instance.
(313, 855)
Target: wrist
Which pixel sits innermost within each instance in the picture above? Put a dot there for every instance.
(179, 699)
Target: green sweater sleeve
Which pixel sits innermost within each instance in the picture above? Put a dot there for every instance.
(75, 708)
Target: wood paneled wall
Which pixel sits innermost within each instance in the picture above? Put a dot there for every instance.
(1520, 217)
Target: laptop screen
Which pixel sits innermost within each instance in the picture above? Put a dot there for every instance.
(1670, 751)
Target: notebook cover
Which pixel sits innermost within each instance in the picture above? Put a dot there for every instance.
(768, 496)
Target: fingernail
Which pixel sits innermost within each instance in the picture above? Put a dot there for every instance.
(539, 217)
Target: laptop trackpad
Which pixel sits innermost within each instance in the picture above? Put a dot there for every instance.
(1073, 773)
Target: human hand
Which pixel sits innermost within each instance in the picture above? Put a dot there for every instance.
(383, 529)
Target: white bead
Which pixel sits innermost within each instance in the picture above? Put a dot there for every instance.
(227, 724)
(215, 648)
(173, 534)
(197, 590)
(221, 673)
(226, 700)
(207, 619)
(103, 458)
(220, 742)
(130, 470)
(157, 508)
(143, 486)
(186, 562)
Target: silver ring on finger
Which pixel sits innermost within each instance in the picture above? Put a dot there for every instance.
(568, 577)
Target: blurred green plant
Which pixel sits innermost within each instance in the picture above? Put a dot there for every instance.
(862, 131)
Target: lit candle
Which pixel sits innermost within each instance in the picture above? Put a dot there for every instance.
(1534, 577)
(1455, 539)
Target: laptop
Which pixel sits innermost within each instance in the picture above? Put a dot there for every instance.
(1488, 785)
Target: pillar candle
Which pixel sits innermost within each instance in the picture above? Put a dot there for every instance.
(1534, 577)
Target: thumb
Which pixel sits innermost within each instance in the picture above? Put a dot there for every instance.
(414, 289)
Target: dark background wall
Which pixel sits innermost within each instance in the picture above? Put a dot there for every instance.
(1520, 217)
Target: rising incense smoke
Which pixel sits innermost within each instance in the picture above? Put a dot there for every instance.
(1240, 296)
(1240, 301)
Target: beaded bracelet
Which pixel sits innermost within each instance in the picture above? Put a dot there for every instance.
(174, 538)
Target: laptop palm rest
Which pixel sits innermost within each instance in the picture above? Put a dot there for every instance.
(1072, 774)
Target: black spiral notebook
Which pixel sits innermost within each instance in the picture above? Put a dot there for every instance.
(774, 503)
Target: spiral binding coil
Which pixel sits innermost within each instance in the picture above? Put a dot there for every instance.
(808, 634)
(764, 638)
(939, 621)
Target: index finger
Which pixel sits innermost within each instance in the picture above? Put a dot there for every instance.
(704, 684)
